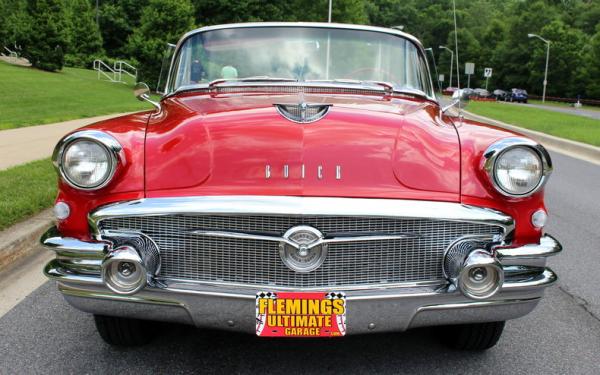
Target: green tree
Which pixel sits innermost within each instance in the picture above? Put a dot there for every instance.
(210, 12)
(162, 22)
(565, 58)
(85, 41)
(14, 23)
(46, 41)
(592, 75)
(118, 19)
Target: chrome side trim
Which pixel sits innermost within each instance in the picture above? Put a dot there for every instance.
(70, 248)
(114, 148)
(321, 241)
(491, 154)
(299, 206)
(539, 280)
(548, 246)
(450, 306)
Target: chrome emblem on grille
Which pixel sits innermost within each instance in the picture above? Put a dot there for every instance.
(303, 249)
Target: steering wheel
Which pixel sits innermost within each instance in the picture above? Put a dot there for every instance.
(374, 70)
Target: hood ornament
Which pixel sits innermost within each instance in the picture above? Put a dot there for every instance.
(303, 113)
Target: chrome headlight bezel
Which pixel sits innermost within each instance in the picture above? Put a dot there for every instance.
(497, 149)
(112, 147)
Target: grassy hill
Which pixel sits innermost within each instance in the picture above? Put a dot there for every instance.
(32, 97)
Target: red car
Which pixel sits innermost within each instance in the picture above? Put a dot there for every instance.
(300, 180)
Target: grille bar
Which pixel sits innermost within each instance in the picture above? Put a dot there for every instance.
(187, 256)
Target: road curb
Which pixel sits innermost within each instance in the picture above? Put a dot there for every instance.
(571, 148)
(21, 240)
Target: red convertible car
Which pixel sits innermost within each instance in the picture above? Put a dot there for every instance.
(300, 179)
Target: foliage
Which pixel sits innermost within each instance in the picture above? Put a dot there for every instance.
(25, 190)
(85, 41)
(37, 97)
(162, 22)
(45, 42)
(118, 19)
(14, 23)
(491, 33)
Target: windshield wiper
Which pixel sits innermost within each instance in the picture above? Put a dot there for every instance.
(219, 81)
(389, 88)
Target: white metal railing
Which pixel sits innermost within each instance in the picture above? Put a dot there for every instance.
(121, 67)
(104, 70)
(12, 55)
(115, 73)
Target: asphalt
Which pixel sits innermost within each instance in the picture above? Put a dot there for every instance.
(594, 114)
(43, 334)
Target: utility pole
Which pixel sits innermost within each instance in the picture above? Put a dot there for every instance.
(451, 62)
(547, 58)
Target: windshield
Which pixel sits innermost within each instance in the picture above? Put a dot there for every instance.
(299, 54)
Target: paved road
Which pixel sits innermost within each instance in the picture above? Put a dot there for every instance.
(594, 114)
(22, 145)
(43, 334)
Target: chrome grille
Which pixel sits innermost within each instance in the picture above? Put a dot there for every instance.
(255, 262)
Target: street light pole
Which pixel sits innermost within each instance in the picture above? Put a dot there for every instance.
(329, 18)
(437, 77)
(451, 62)
(547, 58)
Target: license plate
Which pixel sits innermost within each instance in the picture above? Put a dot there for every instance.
(300, 314)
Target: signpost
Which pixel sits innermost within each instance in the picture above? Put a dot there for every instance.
(469, 69)
(487, 73)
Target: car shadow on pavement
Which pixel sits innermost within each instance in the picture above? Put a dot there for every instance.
(182, 348)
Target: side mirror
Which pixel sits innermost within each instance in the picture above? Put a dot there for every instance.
(460, 99)
(142, 93)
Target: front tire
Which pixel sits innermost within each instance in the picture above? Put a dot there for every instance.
(477, 336)
(123, 331)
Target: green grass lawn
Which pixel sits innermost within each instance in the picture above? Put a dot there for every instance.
(26, 190)
(564, 105)
(562, 125)
(33, 97)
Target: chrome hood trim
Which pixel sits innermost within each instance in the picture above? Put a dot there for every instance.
(299, 206)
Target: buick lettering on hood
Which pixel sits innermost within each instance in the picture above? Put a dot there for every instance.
(300, 180)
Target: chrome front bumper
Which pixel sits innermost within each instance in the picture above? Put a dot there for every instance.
(233, 307)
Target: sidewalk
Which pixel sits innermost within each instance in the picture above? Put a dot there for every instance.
(22, 145)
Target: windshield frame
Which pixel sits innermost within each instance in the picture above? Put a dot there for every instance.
(169, 90)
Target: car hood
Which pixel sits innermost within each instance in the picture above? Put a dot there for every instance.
(366, 146)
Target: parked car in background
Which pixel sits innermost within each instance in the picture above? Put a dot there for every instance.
(482, 93)
(449, 90)
(282, 197)
(518, 95)
(500, 95)
(468, 92)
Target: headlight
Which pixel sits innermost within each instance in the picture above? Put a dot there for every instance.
(517, 167)
(87, 159)
(518, 170)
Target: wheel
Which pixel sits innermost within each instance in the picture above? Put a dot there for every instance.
(525, 101)
(477, 336)
(123, 331)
